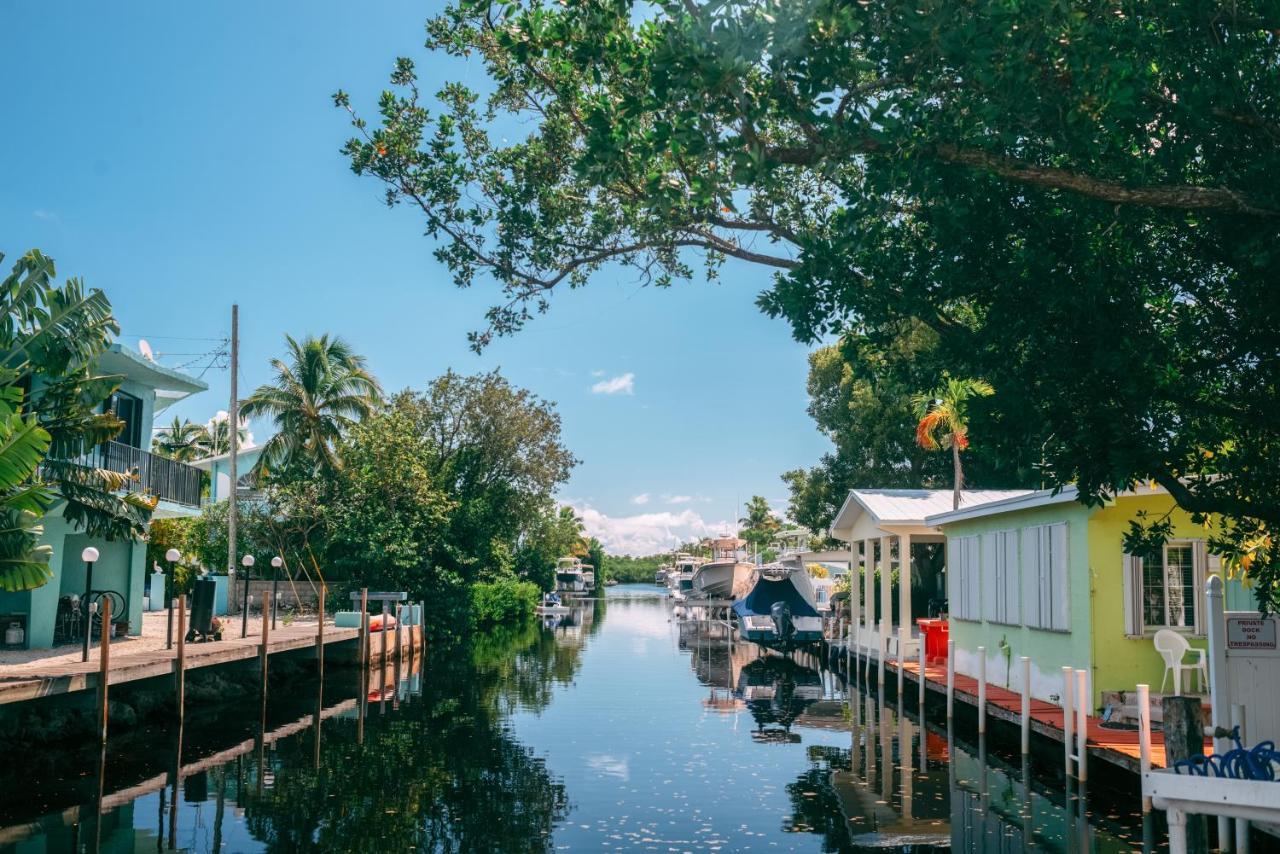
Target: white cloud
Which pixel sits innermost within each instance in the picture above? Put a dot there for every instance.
(677, 499)
(642, 498)
(597, 373)
(647, 533)
(624, 384)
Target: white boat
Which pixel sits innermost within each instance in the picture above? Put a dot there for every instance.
(781, 610)
(588, 578)
(660, 576)
(569, 576)
(680, 576)
(551, 606)
(728, 575)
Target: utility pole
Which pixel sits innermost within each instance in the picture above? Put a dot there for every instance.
(233, 429)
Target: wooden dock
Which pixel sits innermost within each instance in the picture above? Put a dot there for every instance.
(1116, 746)
(30, 681)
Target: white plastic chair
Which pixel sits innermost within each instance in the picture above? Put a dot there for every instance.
(1173, 648)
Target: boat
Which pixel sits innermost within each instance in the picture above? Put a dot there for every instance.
(588, 578)
(551, 605)
(569, 577)
(660, 576)
(680, 577)
(727, 575)
(780, 612)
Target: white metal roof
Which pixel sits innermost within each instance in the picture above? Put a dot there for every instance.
(886, 509)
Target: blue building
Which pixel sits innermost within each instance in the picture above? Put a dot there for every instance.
(147, 389)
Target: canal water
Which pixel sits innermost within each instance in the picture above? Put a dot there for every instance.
(618, 727)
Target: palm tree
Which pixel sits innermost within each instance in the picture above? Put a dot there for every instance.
(182, 440)
(944, 421)
(760, 524)
(320, 390)
(217, 436)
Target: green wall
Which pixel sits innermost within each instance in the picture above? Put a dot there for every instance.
(1049, 650)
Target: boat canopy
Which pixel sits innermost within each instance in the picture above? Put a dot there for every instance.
(767, 591)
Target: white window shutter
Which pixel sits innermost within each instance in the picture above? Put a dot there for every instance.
(1199, 562)
(1009, 540)
(1132, 595)
(1030, 561)
(1061, 577)
(1045, 566)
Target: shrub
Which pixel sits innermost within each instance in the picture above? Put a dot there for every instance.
(503, 601)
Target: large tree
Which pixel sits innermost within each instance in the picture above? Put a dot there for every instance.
(1077, 198)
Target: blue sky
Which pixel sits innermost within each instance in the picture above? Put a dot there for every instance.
(183, 157)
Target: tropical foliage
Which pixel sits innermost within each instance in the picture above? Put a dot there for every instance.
(1076, 199)
(760, 524)
(50, 400)
(944, 422)
(320, 389)
(182, 440)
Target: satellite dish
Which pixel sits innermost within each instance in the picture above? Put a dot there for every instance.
(145, 349)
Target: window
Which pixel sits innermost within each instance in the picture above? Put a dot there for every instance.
(1167, 588)
(1046, 587)
(128, 409)
(1000, 577)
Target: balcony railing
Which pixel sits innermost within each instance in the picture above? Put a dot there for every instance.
(164, 478)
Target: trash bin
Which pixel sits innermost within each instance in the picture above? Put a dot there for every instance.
(935, 632)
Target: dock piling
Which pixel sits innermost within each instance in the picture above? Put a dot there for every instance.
(982, 690)
(1144, 737)
(266, 637)
(920, 697)
(1082, 725)
(1026, 705)
(951, 677)
(180, 664)
(104, 662)
(364, 627)
(320, 635)
(1068, 677)
(1242, 825)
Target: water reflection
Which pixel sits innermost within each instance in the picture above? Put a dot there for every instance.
(614, 727)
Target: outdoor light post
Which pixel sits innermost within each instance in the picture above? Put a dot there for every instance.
(89, 556)
(173, 556)
(247, 563)
(276, 563)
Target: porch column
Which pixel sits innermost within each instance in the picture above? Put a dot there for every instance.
(904, 602)
(886, 601)
(869, 588)
(855, 604)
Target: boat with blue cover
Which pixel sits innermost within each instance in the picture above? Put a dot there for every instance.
(780, 612)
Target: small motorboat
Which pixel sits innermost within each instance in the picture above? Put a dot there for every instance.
(570, 578)
(551, 606)
(727, 575)
(780, 612)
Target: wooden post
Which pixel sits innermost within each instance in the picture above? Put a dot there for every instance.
(104, 661)
(920, 698)
(1144, 737)
(180, 665)
(1083, 701)
(266, 638)
(1026, 707)
(320, 636)
(951, 677)
(1068, 676)
(364, 627)
(982, 690)
(1183, 739)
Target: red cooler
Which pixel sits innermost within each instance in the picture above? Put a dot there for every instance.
(935, 634)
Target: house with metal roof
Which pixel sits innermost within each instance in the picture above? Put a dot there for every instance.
(1044, 576)
(885, 530)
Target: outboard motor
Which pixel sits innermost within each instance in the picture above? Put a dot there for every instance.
(782, 625)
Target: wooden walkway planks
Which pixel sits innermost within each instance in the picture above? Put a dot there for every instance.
(1115, 745)
(69, 677)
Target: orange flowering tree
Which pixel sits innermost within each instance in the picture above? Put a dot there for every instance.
(944, 421)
